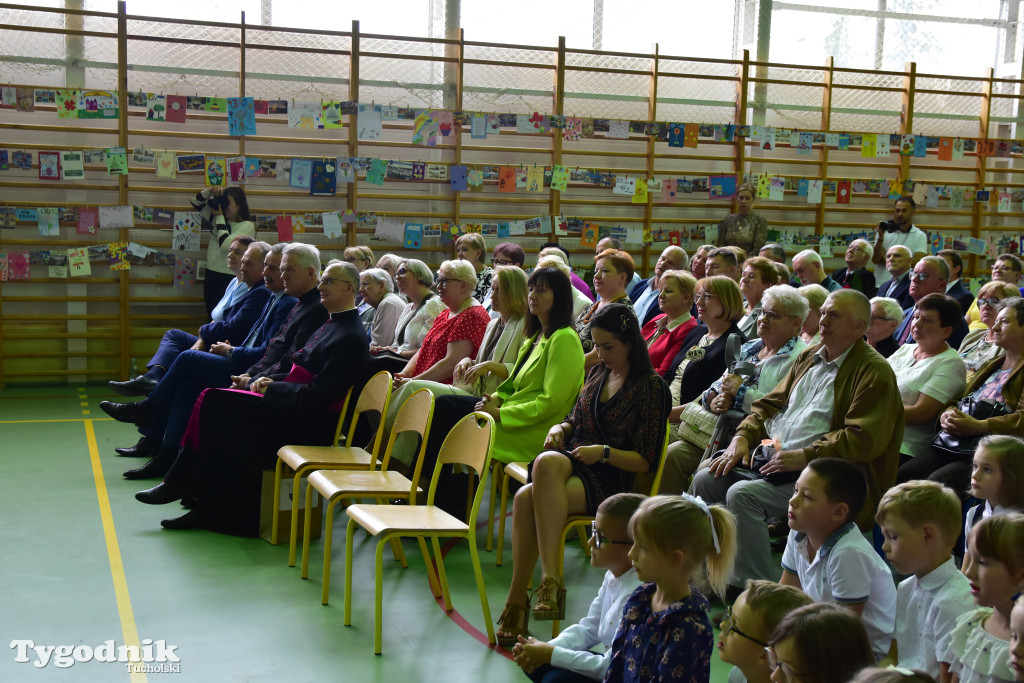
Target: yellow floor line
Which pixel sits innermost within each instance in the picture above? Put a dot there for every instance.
(73, 419)
(129, 631)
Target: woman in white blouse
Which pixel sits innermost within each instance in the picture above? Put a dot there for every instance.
(930, 374)
(414, 280)
(377, 289)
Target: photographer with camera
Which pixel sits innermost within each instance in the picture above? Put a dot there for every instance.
(225, 213)
(900, 230)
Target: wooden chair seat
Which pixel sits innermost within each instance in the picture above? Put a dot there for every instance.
(411, 519)
(333, 483)
(306, 457)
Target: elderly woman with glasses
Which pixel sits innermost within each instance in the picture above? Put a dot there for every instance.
(886, 317)
(377, 289)
(414, 280)
(771, 353)
(1006, 268)
(758, 274)
(979, 346)
(457, 331)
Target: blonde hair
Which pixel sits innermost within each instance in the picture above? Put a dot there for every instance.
(683, 278)
(1001, 537)
(923, 502)
(461, 270)
(661, 521)
(727, 291)
(815, 295)
(361, 252)
(511, 290)
(771, 602)
(553, 261)
(473, 240)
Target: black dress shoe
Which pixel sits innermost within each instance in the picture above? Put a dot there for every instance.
(132, 413)
(140, 386)
(156, 468)
(161, 494)
(143, 449)
(193, 519)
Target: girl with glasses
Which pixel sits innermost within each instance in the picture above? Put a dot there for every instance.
(819, 643)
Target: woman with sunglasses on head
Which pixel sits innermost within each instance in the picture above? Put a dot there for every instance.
(414, 280)
(979, 346)
(614, 432)
(225, 212)
(819, 643)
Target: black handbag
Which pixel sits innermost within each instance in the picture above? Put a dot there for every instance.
(963, 447)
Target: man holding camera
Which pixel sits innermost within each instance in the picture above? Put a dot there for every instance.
(900, 230)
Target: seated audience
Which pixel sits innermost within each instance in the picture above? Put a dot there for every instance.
(979, 346)
(929, 373)
(956, 287)
(701, 357)
(856, 275)
(615, 430)
(219, 469)
(235, 289)
(376, 286)
(1006, 268)
(457, 331)
(391, 263)
(553, 248)
(816, 295)
(294, 312)
(774, 252)
(819, 643)
(227, 218)
(698, 264)
(470, 247)
(665, 633)
(838, 400)
(606, 243)
(749, 623)
(239, 319)
(570, 655)
(665, 333)
(758, 275)
(504, 254)
(360, 256)
(828, 498)
(809, 269)
(886, 316)
(979, 644)
(723, 261)
(612, 272)
(772, 355)
(897, 263)
(645, 295)
(414, 281)
(929, 277)
(1001, 379)
(920, 521)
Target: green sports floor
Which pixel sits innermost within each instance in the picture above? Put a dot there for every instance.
(84, 563)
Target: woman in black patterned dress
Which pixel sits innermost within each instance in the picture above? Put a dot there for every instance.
(615, 431)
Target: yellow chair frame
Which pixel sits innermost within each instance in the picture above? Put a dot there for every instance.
(469, 443)
(335, 486)
(375, 396)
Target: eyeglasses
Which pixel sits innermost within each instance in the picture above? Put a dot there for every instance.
(702, 297)
(992, 301)
(774, 663)
(501, 262)
(728, 625)
(770, 315)
(327, 281)
(600, 539)
(920, 277)
(443, 281)
(881, 318)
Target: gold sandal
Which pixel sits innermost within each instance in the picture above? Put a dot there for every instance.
(510, 618)
(549, 600)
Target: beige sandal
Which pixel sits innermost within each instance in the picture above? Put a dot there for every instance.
(513, 621)
(549, 600)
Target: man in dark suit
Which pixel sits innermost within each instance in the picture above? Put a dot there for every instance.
(855, 275)
(930, 277)
(163, 415)
(219, 468)
(645, 295)
(956, 287)
(239, 320)
(897, 262)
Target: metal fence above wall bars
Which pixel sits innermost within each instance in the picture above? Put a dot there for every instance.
(91, 327)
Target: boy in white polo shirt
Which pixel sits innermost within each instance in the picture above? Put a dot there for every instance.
(921, 522)
(827, 557)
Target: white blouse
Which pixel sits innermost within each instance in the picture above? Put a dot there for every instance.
(417, 323)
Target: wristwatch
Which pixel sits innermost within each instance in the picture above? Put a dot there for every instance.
(607, 454)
